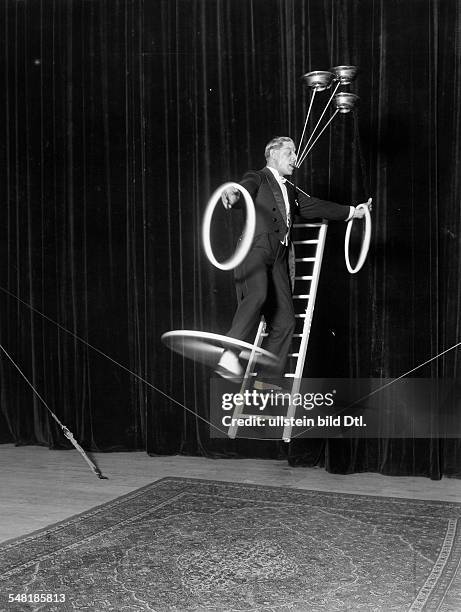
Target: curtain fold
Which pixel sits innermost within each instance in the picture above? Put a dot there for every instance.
(119, 120)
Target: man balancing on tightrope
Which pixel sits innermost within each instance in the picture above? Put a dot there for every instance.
(263, 279)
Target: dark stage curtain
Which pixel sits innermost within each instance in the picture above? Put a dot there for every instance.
(119, 120)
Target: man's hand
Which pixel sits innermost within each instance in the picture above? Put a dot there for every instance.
(359, 212)
(229, 197)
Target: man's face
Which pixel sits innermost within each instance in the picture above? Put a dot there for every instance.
(284, 159)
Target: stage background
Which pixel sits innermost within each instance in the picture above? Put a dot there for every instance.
(119, 118)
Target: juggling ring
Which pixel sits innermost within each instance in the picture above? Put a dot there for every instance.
(248, 233)
(365, 243)
(208, 347)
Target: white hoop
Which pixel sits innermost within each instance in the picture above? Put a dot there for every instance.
(365, 243)
(248, 233)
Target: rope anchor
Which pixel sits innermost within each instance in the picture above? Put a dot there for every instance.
(68, 434)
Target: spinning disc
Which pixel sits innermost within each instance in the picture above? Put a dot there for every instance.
(248, 233)
(365, 243)
(345, 102)
(207, 347)
(345, 74)
(318, 80)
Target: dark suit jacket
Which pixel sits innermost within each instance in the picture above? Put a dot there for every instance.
(270, 206)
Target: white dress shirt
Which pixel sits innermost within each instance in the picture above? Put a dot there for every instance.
(281, 181)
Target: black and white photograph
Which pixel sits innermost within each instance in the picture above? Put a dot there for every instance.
(230, 305)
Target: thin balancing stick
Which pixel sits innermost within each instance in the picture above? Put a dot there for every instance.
(307, 118)
(303, 157)
(321, 117)
(298, 188)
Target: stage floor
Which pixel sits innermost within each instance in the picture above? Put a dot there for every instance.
(41, 487)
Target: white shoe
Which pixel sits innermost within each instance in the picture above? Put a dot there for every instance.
(229, 366)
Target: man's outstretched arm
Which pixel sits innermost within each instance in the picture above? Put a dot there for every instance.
(315, 208)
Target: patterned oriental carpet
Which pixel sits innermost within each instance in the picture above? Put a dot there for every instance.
(183, 544)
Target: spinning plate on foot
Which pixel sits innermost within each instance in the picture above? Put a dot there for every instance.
(207, 347)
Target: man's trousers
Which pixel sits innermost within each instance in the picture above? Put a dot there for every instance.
(263, 288)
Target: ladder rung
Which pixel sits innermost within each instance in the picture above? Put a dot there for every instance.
(289, 375)
(303, 277)
(297, 335)
(305, 241)
(293, 354)
(305, 259)
(307, 224)
(300, 316)
(264, 335)
(302, 296)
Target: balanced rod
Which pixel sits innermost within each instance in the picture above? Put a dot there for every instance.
(307, 118)
(317, 124)
(300, 161)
